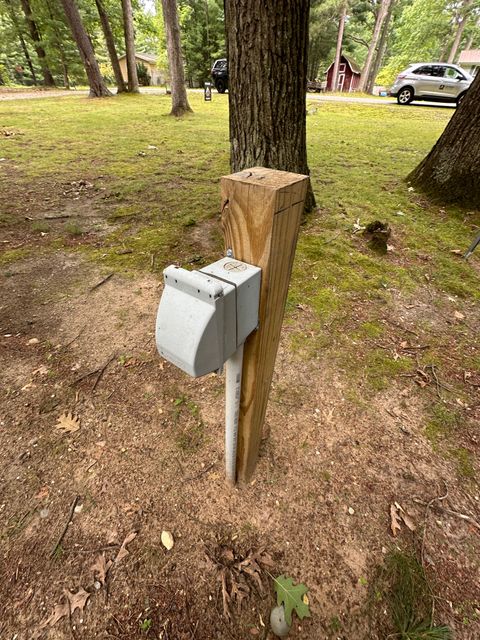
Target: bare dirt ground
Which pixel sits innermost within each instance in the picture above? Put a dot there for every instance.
(148, 457)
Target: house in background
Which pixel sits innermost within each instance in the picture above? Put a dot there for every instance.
(157, 76)
(470, 60)
(348, 75)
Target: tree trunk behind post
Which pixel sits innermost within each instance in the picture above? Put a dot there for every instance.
(451, 171)
(267, 45)
(37, 43)
(180, 104)
(382, 14)
(112, 51)
(382, 45)
(338, 51)
(97, 85)
(21, 39)
(130, 46)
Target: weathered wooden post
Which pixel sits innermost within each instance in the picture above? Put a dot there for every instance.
(261, 212)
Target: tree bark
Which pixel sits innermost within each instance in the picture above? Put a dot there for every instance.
(380, 52)
(382, 14)
(338, 51)
(59, 45)
(97, 85)
(112, 51)
(451, 171)
(21, 39)
(130, 46)
(180, 104)
(48, 80)
(267, 44)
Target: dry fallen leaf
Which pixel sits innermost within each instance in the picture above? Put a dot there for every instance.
(458, 316)
(68, 423)
(395, 524)
(405, 517)
(123, 552)
(167, 540)
(100, 568)
(74, 601)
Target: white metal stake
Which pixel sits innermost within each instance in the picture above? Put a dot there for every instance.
(233, 385)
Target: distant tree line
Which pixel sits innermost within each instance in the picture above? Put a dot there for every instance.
(39, 47)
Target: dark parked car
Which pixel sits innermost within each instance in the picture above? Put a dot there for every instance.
(220, 75)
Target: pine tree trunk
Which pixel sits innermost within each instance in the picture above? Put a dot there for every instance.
(112, 51)
(461, 23)
(37, 43)
(382, 14)
(21, 39)
(338, 50)
(180, 104)
(97, 85)
(130, 46)
(451, 171)
(267, 44)
(382, 45)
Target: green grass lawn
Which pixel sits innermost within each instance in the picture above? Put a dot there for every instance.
(160, 182)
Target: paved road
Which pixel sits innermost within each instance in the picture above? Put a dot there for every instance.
(314, 97)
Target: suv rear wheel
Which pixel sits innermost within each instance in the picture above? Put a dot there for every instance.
(405, 96)
(220, 85)
(460, 98)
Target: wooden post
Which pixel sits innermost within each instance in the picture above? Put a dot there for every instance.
(261, 212)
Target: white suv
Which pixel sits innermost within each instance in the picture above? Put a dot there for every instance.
(433, 81)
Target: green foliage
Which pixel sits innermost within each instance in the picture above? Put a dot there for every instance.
(145, 624)
(203, 37)
(143, 75)
(291, 596)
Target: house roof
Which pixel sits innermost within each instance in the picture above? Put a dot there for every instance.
(353, 65)
(469, 56)
(146, 57)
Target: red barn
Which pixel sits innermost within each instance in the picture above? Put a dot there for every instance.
(348, 75)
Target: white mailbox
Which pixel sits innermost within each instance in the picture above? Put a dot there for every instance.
(204, 316)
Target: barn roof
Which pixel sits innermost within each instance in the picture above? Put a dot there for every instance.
(469, 56)
(353, 65)
(147, 57)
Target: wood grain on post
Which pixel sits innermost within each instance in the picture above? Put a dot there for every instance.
(261, 212)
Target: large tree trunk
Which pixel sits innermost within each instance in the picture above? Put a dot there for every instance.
(112, 51)
(97, 85)
(451, 171)
(380, 52)
(21, 39)
(338, 51)
(130, 46)
(267, 44)
(180, 104)
(381, 16)
(37, 43)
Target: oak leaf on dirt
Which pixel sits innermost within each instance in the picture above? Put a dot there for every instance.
(291, 596)
(100, 568)
(73, 602)
(405, 516)
(68, 422)
(123, 552)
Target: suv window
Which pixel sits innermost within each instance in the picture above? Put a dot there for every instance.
(453, 74)
(220, 65)
(423, 71)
